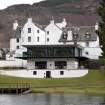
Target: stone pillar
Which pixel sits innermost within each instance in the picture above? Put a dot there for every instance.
(71, 64)
(30, 64)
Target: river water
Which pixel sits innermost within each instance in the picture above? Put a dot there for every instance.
(51, 99)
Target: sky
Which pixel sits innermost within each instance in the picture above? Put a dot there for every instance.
(6, 3)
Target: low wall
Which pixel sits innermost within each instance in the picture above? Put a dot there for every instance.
(42, 73)
(13, 63)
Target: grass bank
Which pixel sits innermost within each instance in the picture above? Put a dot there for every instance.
(92, 83)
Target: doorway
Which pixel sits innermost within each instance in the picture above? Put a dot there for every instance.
(48, 74)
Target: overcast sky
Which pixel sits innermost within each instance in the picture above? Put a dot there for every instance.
(5, 3)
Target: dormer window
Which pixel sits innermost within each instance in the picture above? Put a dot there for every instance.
(87, 35)
(29, 30)
(65, 35)
(75, 35)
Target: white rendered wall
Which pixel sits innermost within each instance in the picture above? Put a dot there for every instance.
(33, 34)
(13, 63)
(14, 44)
(30, 64)
(54, 34)
(94, 51)
(41, 73)
(71, 64)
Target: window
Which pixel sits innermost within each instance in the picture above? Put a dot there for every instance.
(29, 30)
(17, 40)
(65, 35)
(75, 35)
(20, 31)
(37, 39)
(87, 35)
(29, 39)
(61, 72)
(17, 47)
(87, 44)
(47, 32)
(47, 39)
(34, 72)
(37, 31)
(87, 53)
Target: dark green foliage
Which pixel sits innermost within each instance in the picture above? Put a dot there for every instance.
(52, 3)
(101, 12)
(56, 6)
(70, 10)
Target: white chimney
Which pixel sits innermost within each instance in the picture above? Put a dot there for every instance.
(52, 21)
(15, 25)
(70, 35)
(64, 22)
(29, 19)
(96, 26)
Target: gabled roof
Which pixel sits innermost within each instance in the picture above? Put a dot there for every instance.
(81, 33)
(40, 26)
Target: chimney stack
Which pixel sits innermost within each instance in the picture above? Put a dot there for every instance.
(96, 26)
(15, 25)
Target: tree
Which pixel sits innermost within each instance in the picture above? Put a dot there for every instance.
(101, 12)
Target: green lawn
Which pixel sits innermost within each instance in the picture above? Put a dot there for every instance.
(93, 82)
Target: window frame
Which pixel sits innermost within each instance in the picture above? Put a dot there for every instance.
(38, 39)
(48, 32)
(29, 30)
(61, 72)
(29, 39)
(48, 39)
(38, 31)
(34, 72)
(17, 47)
(17, 40)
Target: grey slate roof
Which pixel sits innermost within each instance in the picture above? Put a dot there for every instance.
(17, 33)
(83, 33)
(86, 33)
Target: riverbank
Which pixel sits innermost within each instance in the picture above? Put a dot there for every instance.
(92, 83)
(92, 91)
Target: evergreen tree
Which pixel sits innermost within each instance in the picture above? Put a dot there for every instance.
(101, 12)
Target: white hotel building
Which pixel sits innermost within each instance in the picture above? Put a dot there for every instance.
(55, 50)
